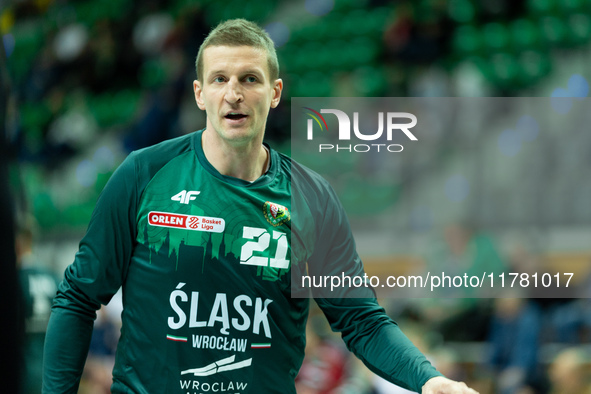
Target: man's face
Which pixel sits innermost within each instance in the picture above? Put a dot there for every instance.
(236, 92)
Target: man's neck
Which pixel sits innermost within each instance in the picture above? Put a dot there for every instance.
(246, 162)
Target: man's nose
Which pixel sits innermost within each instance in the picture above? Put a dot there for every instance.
(234, 92)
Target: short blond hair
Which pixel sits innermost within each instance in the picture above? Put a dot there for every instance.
(239, 32)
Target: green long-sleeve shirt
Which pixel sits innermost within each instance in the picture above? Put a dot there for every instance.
(207, 263)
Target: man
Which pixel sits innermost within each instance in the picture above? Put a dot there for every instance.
(198, 231)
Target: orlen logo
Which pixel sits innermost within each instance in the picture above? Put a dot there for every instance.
(189, 222)
(345, 130)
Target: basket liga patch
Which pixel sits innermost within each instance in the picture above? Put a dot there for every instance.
(189, 222)
(276, 214)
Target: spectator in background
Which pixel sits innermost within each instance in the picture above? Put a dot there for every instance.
(569, 374)
(324, 369)
(96, 377)
(39, 286)
(564, 316)
(521, 324)
(516, 329)
(464, 252)
(514, 339)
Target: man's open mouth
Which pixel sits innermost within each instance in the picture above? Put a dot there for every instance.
(235, 116)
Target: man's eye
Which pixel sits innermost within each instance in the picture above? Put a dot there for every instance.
(219, 79)
(251, 79)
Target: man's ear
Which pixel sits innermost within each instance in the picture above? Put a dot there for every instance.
(277, 89)
(198, 94)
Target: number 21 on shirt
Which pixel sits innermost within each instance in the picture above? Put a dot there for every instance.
(259, 241)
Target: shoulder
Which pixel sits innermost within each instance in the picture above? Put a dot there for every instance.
(148, 161)
(140, 166)
(164, 151)
(304, 179)
(312, 197)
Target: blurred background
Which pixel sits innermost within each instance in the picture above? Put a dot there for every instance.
(90, 81)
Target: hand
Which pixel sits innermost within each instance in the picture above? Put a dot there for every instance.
(441, 385)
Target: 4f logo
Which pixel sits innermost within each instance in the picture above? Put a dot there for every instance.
(185, 196)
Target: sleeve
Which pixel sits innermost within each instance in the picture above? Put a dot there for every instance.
(98, 271)
(354, 311)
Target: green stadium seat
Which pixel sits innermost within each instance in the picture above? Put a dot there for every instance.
(152, 73)
(110, 109)
(378, 20)
(362, 51)
(312, 32)
(260, 10)
(214, 14)
(483, 65)
(313, 84)
(295, 36)
(361, 197)
(355, 23)
(505, 69)
(77, 215)
(89, 12)
(524, 34)
(309, 56)
(287, 58)
(346, 5)
(331, 27)
(496, 36)
(124, 104)
(335, 53)
(533, 66)
(116, 9)
(45, 210)
(461, 11)
(302, 59)
(256, 11)
(327, 59)
(541, 7)
(553, 30)
(571, 6)
(102, 110)
(370, 81)
(28, 40)
(467, 40)
(34, 116)
(579, 28)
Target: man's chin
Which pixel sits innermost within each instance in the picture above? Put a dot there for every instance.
(237, 136)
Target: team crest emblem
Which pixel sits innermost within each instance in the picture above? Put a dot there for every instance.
(276, 214)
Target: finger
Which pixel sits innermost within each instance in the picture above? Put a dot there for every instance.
(464, 389)
(470, 391)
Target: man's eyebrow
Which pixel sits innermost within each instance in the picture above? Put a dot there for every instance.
(215, 72)
(247, 71)
(252, 71)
